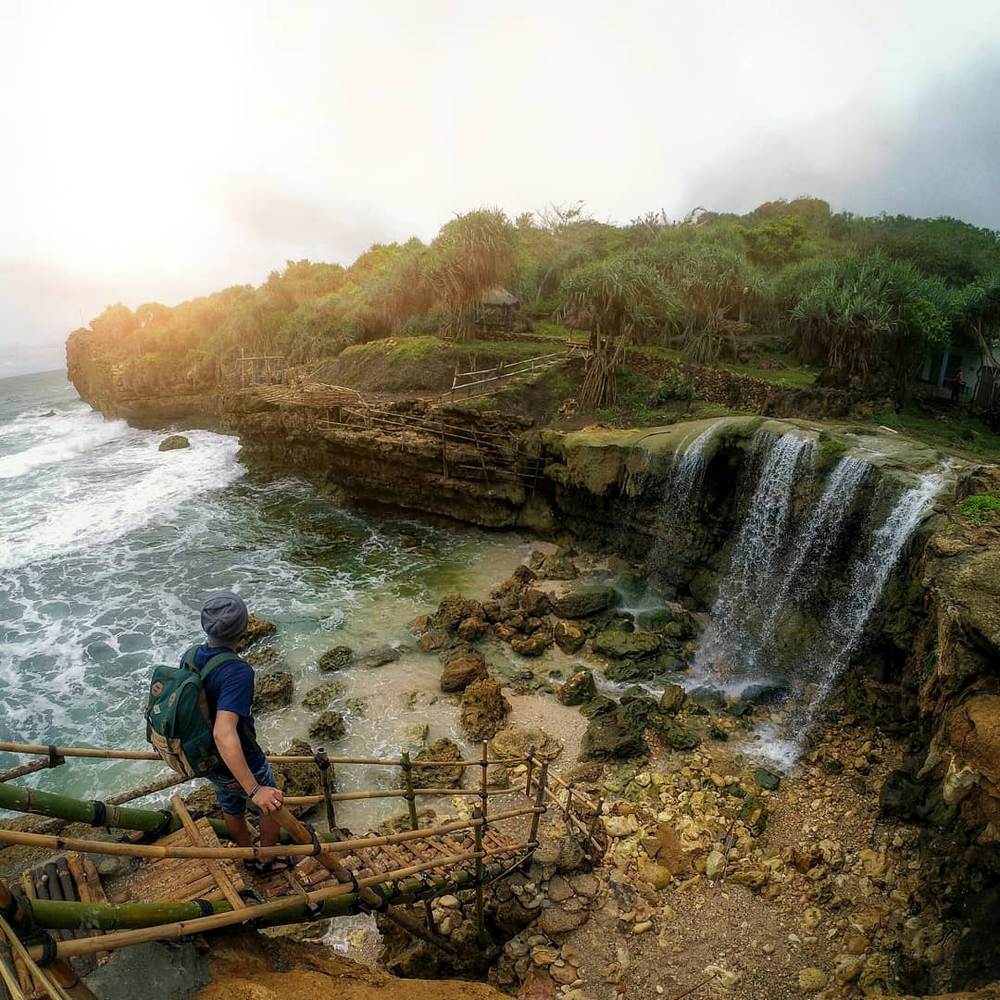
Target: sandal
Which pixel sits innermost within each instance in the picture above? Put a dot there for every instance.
(272, 866)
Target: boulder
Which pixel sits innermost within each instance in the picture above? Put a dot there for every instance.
(336, 658)
(613, 734)
(257, 628)
(558, 566)
(412, 736)
(536, 603)
(472, 629)
(272, 690)
(672, 700)
(453, 609)
(322, 696)
(532, 645)
(439, 777)
(434, 640)
(484, 709)
(516, 742)
(300, 779)
(765, 692)
(585, 601)
(568, 636)
(377, 657)
(628, 671)
(657, 875)
(173, 442)
(617, 644)
(329, 726)
(708, 698)
(461, 671)
(579, 687)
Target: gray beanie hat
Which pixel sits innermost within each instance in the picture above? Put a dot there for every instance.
(224, 616)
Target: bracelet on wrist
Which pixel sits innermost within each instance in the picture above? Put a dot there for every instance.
(256, 789)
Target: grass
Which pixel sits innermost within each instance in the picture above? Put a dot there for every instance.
(959, 432)
(981, 508)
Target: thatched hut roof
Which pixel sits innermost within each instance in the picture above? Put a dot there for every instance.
(498, 296)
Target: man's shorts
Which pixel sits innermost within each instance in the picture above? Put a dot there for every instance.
(232, 799)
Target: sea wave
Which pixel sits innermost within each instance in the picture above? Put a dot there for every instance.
(58, 439)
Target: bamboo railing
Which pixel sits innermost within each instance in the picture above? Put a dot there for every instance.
(165, 921)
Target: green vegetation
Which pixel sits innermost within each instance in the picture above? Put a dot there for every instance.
(981, 508)
(830, 450)
(791, 293)
(959, 432)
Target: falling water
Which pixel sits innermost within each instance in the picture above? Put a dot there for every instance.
(732, 640)
(688, 472)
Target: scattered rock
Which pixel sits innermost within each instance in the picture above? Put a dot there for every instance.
(708, 698)
(378, 657)
(578, 688)
(618, 644)
(461, 671)
(439, 777)
(472, 629)
(272, 690)
(569, 636)
(536, 603)
(555, 920)
(766, 779)
(173, 442)
(812, 980)
(672, 699)
(613, 735)
(484, 709)
(714, 864)
(257, 628)
(434, 640)
(412, 736)
(329, 726)
(299, 779)
(323, 696)
(657, 875)
(583, 602)
(516, 742)
(453, 609)
(336, 658)
(532, 645)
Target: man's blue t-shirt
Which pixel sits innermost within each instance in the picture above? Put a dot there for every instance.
(229, 688)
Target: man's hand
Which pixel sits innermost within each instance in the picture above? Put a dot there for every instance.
(268, 799)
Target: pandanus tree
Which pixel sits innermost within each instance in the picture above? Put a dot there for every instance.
(868, 313)
(470, 255)
(621, 298)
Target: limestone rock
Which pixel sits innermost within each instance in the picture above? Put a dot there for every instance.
(580, 687)
(329, 726)
(569, 637)
(812, 980)
(532, 645)
(484, 709)
(462, 671)
(672, 699)
(585, 601)
(173, 442)
(336, 658)
(412, 736)
(322, 696)
(555, 921)
(516, 742)
(377, 657)
(272, 690)
(658, 876)
(453, 609)
(257, 628)
(299, 779)
(618, 644)
(439, 777)
(472, 629)
(433, 640)
(613, 734)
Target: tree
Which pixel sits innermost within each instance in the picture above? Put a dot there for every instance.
(776, 243)
(621, 297)
(471, 254)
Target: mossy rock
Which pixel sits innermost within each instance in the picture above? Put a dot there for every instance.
(582, 602)
(336, 658)
(617, 644)
(323, 696)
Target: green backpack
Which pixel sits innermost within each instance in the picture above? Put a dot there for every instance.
(178, 721)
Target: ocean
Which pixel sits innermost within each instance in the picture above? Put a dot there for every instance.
(108, 546)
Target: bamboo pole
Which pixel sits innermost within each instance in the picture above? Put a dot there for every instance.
(24, 769)
(61, 970)
(167, 932)
(11, 987)
(539, 800)
(389, 793)
(215, 868)
(100, 753)
(323, 763)
(411, 805)
(479, 834)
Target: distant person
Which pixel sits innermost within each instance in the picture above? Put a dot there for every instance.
(958, 386)
(228, 686)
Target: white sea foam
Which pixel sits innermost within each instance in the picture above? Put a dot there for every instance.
(66, 437)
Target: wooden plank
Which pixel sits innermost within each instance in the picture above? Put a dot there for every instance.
(214, 867)
(77, 868)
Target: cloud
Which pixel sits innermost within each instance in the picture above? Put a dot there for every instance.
(937, 156)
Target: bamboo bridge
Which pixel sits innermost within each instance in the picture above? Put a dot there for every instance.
(64, 917)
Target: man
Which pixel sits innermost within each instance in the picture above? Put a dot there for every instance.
(957, 386)
(229, 692)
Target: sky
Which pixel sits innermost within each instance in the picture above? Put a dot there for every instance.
(154, 152)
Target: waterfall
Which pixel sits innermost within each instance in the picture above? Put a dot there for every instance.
(849, 616)
(688, 472)
(732, 640)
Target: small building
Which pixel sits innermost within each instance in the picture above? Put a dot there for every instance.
(497, 309)
(939, 369)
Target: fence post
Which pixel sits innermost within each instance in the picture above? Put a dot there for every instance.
(478, 840)
(480, 836)
(531, 769)
(540, 806)
(411, 804)
(323, 763)
(591, 844)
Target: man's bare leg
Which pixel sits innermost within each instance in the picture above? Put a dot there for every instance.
(238, 829)
(269, 831)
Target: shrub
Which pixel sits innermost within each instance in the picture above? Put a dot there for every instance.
(981, 508)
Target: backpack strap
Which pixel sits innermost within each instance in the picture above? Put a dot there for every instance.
(220, 659)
